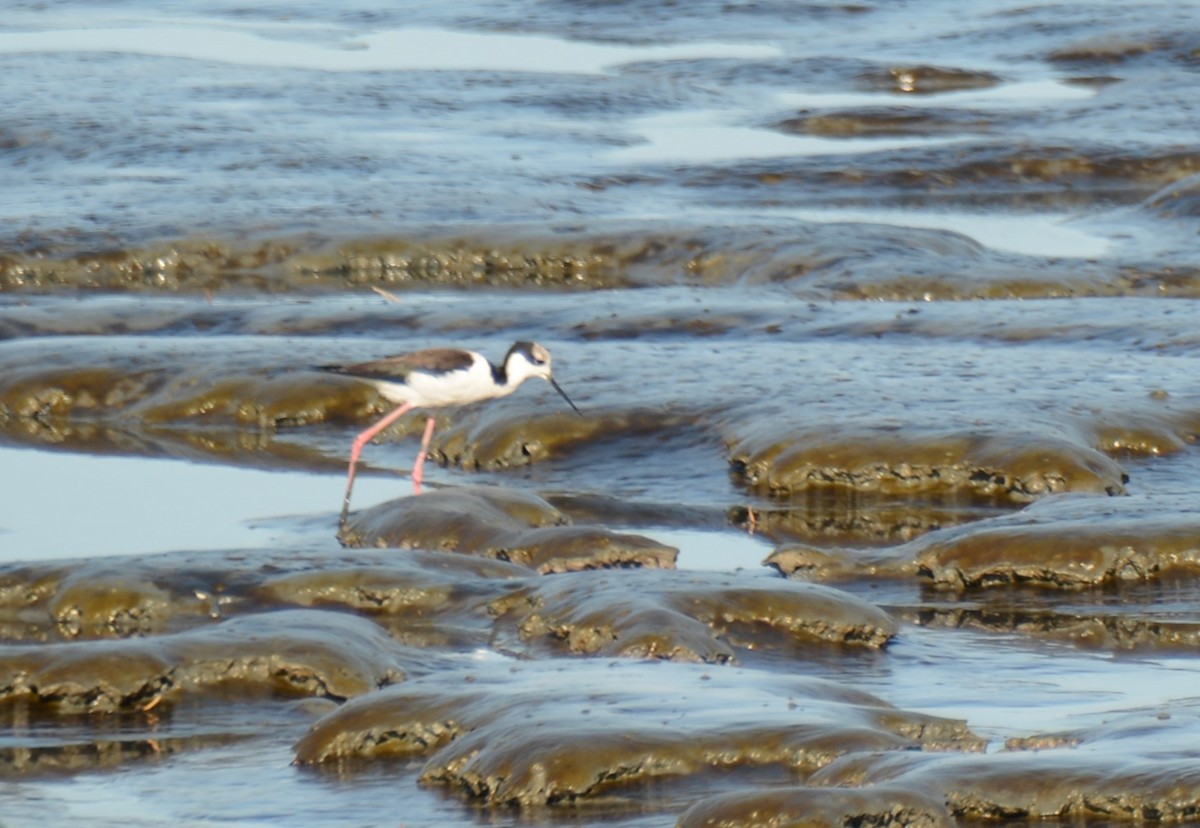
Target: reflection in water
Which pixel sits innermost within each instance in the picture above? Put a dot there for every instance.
(72, 505)
(424, 50)
(714, 551)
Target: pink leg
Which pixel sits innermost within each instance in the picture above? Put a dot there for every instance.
(417, 475)
(356, 449)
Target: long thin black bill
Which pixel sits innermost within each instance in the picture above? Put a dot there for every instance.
(558, 388)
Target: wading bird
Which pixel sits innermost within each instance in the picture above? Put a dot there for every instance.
(440, 378)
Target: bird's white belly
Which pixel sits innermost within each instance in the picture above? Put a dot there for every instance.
(437, 390)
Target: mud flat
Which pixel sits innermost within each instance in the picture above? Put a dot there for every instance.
(530, 632)
(880, 510)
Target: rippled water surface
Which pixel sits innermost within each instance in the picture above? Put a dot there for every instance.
(881, 318)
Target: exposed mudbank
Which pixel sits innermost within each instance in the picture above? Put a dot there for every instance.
(477, 739)
(891, 464)
(682, 616)
(296, 653)
(1066, 542)
(880, 805)
(1094, 784)
(505, 526)
(1018, 436)
(836, 260)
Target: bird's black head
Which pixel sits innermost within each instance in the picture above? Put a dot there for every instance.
(529, 359)
(532, 352)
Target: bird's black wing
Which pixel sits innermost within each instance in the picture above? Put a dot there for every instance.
(398, 368)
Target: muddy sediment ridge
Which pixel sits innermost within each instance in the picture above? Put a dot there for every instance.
(815, 260)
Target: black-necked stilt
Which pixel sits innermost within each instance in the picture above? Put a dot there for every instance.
(438, 378)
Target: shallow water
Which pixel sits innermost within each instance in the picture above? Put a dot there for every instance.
(904, 302)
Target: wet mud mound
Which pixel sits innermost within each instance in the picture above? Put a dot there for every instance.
(1051, 784)
(296, 652)
(89, 601)
(624, 724)
(121, 394)
(107, 598)
(503, 525)
(1067, 541)
(880, 805)
(420, 593)
(847, 260)
(215, 400)
(504, 439)
(305, 263)
(802, 560)
(428, 599)
(503, 259)
(682, 616)
(987, 466)
(415, 583)
(1098, 573)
